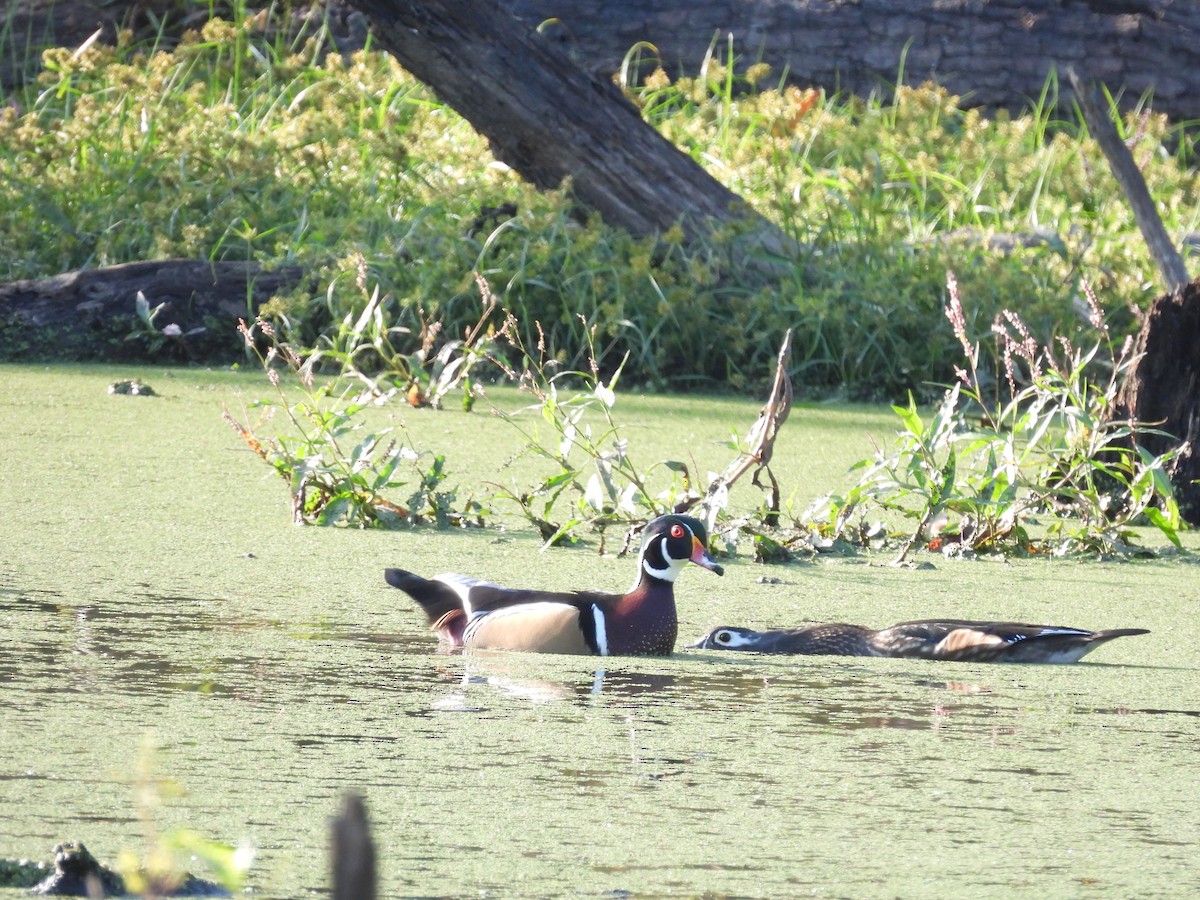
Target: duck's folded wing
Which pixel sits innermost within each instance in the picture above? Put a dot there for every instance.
(1053, 644)
(481, 596)
(540, 626)
(953, 640)
(995, 641)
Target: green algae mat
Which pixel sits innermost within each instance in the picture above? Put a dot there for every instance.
(153, 593)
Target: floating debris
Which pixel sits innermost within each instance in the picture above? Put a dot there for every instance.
(78, 874)
(132, 388)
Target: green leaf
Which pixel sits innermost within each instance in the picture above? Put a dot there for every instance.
(563, 533)
(605, 395)
(227, 864)
(364, 448)
(948, 474)
(302, 471)
(337, 509)
(1163, 524)
(556, 481)
(909, 416)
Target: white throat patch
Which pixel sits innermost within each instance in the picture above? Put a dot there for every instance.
(672, 570)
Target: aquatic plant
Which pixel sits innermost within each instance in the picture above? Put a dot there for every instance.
(154, 338)
(338, 471)
(372, 346)
(159, 870)
(596, 482)
(21, 873)
(978, 473)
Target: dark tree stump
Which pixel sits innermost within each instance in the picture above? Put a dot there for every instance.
(1160, 388)
(1163, 388)
(89, 313)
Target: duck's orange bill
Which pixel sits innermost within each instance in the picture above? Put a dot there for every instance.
(701, 558)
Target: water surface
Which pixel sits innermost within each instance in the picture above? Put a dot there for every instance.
(150, 584)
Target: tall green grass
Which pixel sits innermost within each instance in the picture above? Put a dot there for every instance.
(240, 145)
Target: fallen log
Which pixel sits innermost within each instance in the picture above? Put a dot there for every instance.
(190, 309)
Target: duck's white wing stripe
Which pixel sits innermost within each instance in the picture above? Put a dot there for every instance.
(1057, 630)
(461, 585)
(601, 631)
(1045, 632)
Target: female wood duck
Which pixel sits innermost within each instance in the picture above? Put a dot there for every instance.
(642, 622)
(952, 640)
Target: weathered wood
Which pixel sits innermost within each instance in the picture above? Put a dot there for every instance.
(552, 121)
(1163, 389)
(1131, 182)
(353, 852)
(993, 53)
(80, 314)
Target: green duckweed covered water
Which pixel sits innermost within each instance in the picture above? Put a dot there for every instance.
(151, 585)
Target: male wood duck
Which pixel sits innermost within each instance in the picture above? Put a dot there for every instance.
(932, 639)
(642, 622)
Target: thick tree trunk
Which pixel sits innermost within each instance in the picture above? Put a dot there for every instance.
(91, 313)
(993, 53)
(550, 120)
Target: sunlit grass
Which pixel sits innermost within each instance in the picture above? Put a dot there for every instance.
(236, 145)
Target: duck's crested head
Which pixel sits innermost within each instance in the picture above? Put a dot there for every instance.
(728, 637)
(670, 542)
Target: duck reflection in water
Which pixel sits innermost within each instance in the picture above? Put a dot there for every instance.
(492, 680)
(511, 682)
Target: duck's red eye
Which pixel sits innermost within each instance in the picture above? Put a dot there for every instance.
(676, 531)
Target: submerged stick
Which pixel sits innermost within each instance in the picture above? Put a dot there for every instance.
(353, 852)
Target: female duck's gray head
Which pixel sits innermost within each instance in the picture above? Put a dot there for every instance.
(729, 638)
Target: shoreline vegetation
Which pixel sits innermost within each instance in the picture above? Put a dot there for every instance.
(238, 146)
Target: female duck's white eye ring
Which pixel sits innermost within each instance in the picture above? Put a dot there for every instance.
(724, 637)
